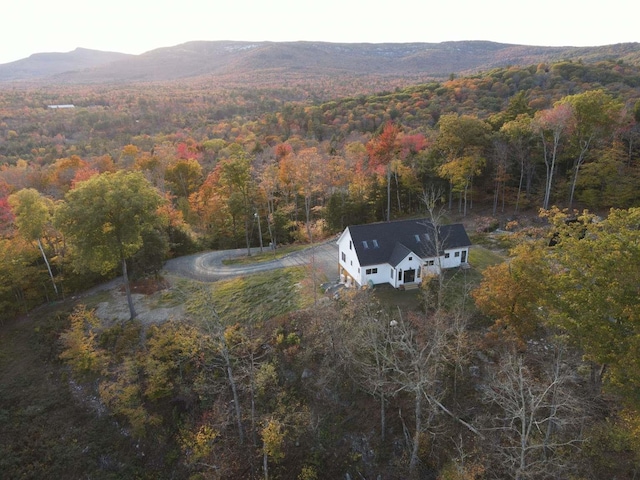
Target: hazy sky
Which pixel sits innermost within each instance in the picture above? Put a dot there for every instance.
(137, 26)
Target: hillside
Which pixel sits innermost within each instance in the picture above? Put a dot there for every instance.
(229, 370)
(43, 65)
(253, 60)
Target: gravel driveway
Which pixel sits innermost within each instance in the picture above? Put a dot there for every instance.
(208, 267)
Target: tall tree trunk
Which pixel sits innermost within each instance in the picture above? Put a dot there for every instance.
(46, 261)
(582, 156)
(383, 417)
(395, 174)
(388, 192)
(550, 170)
(272, 228)
(265, 464)
(127, 289)
(234, 391)
(418, 428)
(259, 231)
(520, 186)
(246, 235)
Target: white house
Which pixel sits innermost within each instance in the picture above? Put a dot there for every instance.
(399, 252)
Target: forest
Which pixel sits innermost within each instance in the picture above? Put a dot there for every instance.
(525, 366)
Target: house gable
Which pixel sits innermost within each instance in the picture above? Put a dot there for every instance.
(394, 243)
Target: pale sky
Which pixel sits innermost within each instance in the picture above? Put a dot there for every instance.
(137, 26)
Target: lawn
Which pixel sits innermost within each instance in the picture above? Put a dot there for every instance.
(458, 281)
(261, 296)
(481, 258)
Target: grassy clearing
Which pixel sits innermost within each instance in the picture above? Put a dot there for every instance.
(261, 296)
(502, 241)
(394, 298)
(265, 256)
(481, 258)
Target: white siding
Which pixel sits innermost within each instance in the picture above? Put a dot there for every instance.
(410, 262)
(436, 267)
(350, 262)
(381, 274)
(386, 273)
(454, 261)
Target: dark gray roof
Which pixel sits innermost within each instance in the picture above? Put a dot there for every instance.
(398, 254)
(389, 242)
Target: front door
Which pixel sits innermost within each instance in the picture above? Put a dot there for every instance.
(463, 257)
(409, 276)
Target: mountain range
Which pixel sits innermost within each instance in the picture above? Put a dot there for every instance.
(235, 59)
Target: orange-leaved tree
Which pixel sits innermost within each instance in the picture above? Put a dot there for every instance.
(383, 149)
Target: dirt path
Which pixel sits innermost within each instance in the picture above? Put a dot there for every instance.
(208, 266)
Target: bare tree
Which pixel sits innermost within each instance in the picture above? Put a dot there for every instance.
(533, 418)
(432, 200)
(201, 306)
(369, 354)
(417, 357)
(551, 126)
(501, 172)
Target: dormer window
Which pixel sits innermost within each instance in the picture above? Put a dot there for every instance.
(375, 243)
(365, 244)
(417, 237)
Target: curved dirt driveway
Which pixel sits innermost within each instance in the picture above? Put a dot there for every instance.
(208, 267)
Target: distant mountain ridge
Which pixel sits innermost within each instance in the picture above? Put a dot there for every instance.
(42, 65)
(241, 59)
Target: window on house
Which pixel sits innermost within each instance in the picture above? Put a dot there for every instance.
(399, 274)
(365, 244)
(351, 262)
(350, 245)
(375, 243)
(391, 272)
(446, 255)
(417, 237)
(344, 257)
(457, 254)
(418, 272)
(372, 271)
(430, 263)
(410, 258)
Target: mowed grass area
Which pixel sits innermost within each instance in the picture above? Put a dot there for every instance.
(459, 282)
(481, 257)
(261, 296)
(251, 298)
